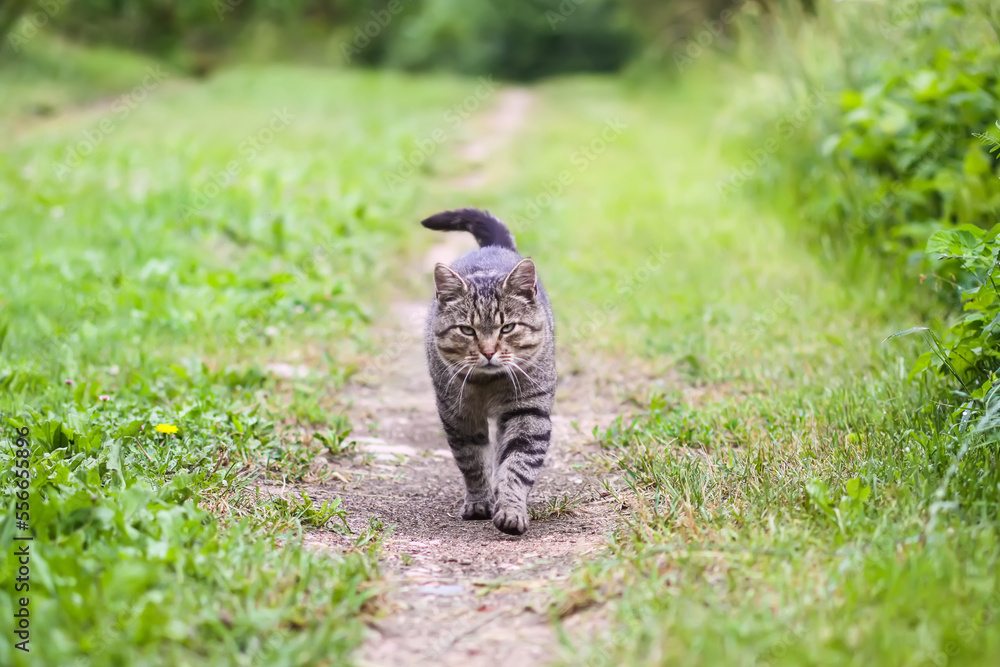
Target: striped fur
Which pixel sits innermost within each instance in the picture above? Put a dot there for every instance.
(491, 354)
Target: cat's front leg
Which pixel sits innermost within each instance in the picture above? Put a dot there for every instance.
(469, 439)
(524, 434)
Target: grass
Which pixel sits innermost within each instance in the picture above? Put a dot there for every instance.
(556, 507)
(139, 292)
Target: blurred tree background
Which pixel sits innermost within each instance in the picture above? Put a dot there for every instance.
(515, 39)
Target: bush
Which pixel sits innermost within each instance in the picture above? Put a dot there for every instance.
(892, 157)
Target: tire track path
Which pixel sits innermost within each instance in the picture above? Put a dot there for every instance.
(462, 592)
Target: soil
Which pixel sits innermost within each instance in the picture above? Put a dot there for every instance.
(462, 592)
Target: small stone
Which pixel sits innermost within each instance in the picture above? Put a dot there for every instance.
(445, 591)
(287, 370)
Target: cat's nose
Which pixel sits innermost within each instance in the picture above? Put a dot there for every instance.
(488, 353)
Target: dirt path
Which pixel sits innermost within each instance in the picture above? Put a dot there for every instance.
(463, 593)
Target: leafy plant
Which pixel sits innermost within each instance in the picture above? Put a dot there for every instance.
(850, 506)
(305, 510)
(969, 349)
(889, 156)
(555, 507)
(967, 354)
(335, 439)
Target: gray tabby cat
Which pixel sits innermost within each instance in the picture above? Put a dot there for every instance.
(491, 354)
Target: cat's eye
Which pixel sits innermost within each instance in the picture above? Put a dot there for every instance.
(507, 328)
(468, 331)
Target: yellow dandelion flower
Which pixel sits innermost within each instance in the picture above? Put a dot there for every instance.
(166, 428)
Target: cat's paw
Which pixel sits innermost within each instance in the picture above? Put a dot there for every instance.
(476, 511)
(511, 520)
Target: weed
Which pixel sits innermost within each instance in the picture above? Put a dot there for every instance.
(556, 507)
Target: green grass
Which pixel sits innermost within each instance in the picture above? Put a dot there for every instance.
(123, 282)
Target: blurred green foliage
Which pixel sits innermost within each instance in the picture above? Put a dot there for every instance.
(511, 39)
(892, 155)
(520, 39)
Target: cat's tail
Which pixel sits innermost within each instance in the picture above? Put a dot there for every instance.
(487, 229)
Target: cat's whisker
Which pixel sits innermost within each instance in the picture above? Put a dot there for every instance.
(507, 364)
(513, 381)
(530, 379)
(507, 373)
(461, 367)
(461, 389)
(529, 364)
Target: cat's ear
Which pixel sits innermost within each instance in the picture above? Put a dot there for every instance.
(449, 286)
(521, 281)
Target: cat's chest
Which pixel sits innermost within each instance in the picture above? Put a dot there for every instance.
(490, 393)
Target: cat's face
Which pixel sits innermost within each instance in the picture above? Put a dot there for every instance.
(487, 325)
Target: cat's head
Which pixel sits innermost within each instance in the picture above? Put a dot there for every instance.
(488, 323)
